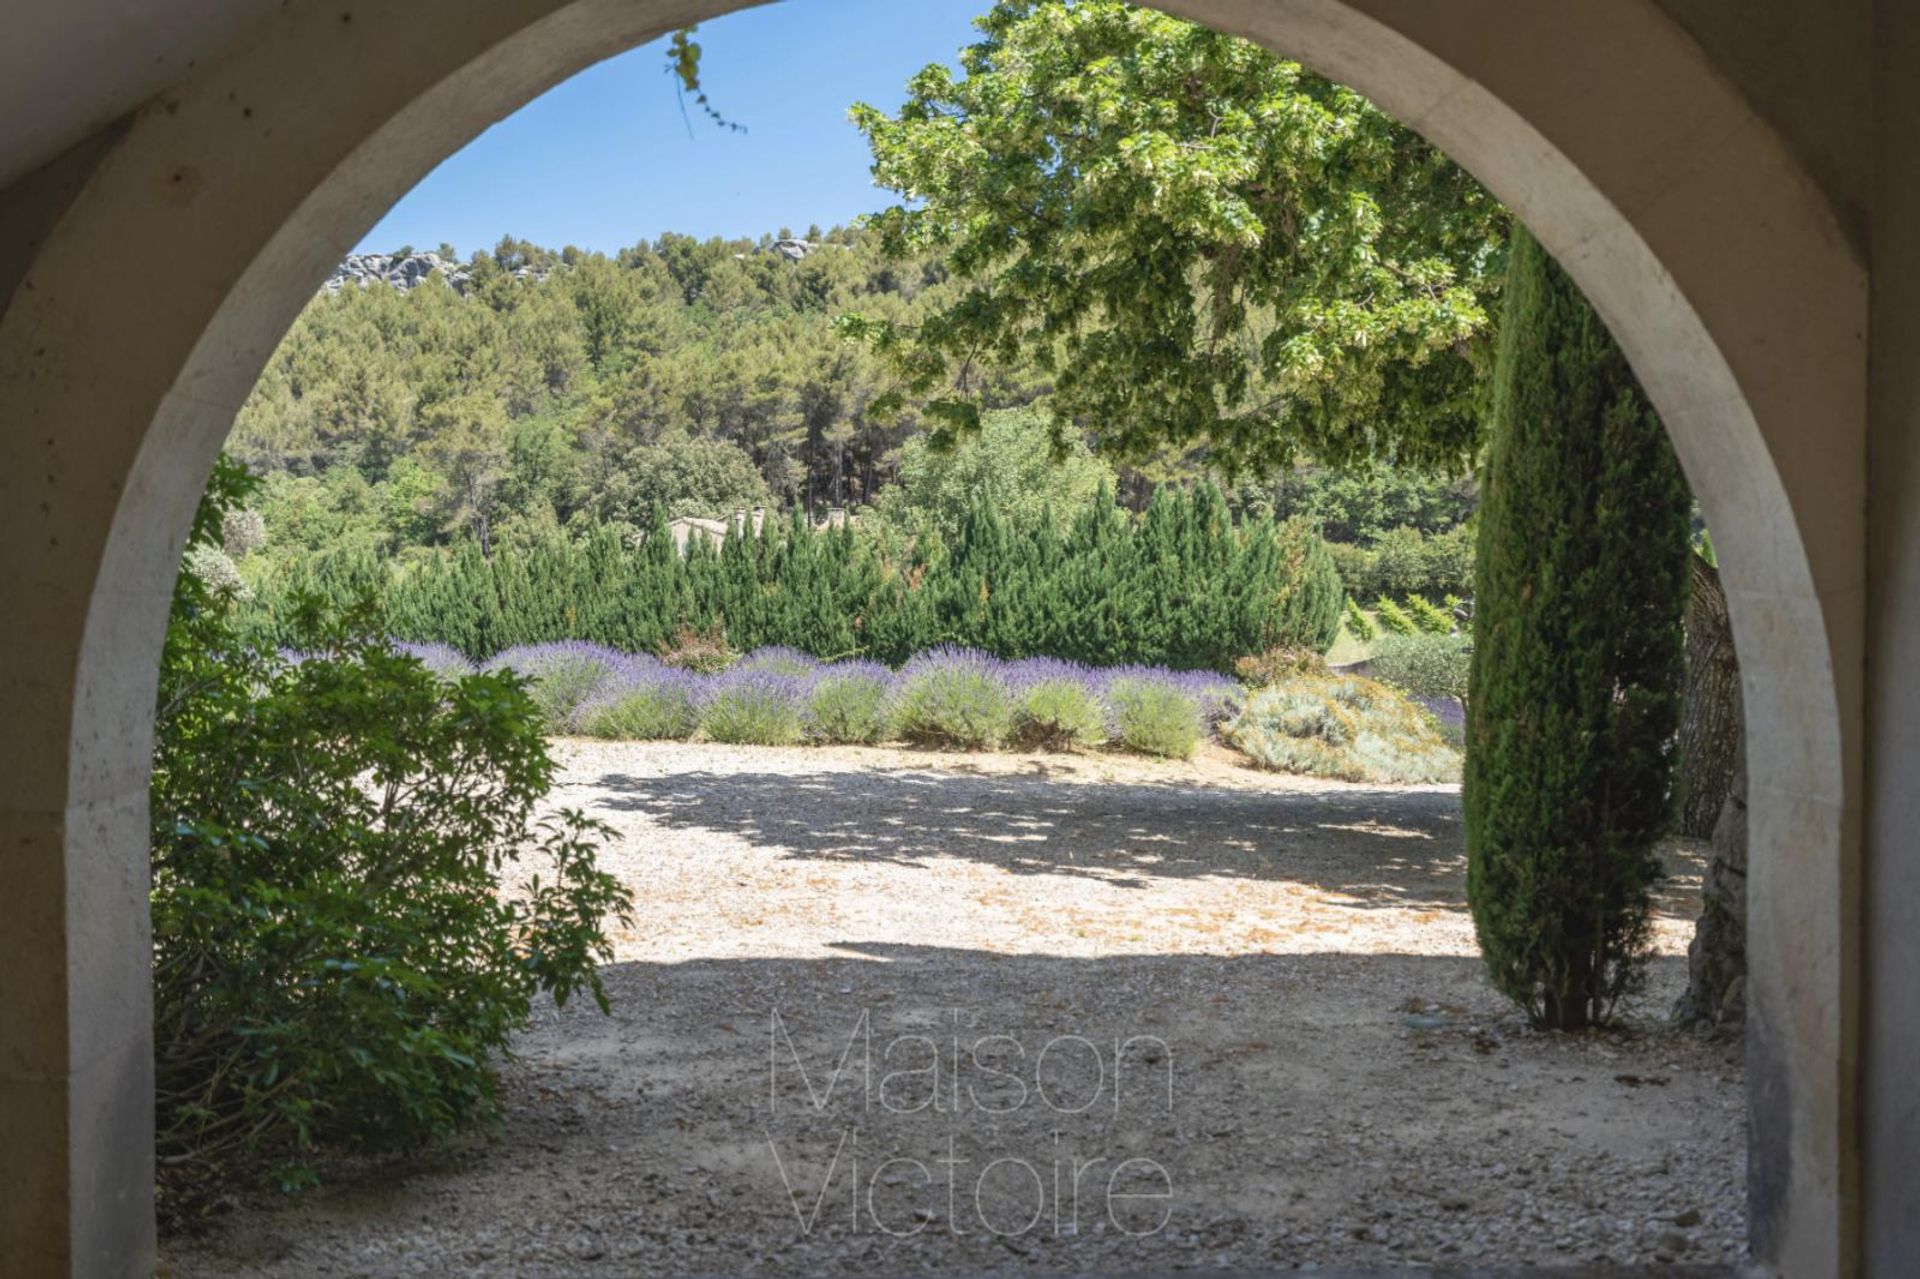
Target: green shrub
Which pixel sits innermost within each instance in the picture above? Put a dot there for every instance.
(1429, 618)
(1058, 715)
(1278, 664)
(1408, 562)
(1449, 563)
(1424, 664)
(1355, 566)
(954, 697)
(1358, 622)
(702, 651)
(334, 961)
(781, 660)
(1183, 586)
(1392, 617)
(1399, 561)
(1341, 727)
(853, 707)
(1154, 718)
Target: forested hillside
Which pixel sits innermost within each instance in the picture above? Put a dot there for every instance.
(567, 386)
(556, 387)
(427, 416)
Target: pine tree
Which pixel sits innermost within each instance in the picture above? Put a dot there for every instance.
(1577, 662)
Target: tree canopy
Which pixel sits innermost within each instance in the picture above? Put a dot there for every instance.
(1008, 464)
(1191, 240)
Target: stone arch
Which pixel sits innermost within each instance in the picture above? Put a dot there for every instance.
(149, 273)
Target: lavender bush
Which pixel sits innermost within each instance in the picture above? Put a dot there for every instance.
(1215, 697)
(754, 707)
(851, 702)
(1154, 716)
(565, 675)
(645, 703)
(954, 697)
(944, 697)
(443, 660)
(1057, 705)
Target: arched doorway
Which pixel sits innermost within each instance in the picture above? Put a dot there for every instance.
(162, 262)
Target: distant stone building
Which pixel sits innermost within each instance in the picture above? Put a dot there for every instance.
(685, 528)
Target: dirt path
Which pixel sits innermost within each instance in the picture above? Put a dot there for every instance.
(1239, 1014)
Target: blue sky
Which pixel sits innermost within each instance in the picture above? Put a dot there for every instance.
(605, 159)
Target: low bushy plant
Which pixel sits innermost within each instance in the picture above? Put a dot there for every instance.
(1056, 706)
(564, 676)
(334, 959)
(1277, 664)
(1428, 617)
(1427, 665)
(1358, 622)
(781, 660)
(1354, 564)
(704, 651)
(443, 660)
(748, 707)
(851, 703)
(658, 704)
(954, 697)
(1392, 617)
(1407, 562)
(1341, 727)
(1154, 717)
(1215, 697)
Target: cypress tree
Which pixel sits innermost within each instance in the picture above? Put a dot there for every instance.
(1309, 613)
(1576, 678)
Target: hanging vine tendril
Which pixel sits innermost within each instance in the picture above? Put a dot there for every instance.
(683, 63)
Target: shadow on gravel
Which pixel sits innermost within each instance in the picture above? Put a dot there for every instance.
(1298, 1112)
(1374, 847)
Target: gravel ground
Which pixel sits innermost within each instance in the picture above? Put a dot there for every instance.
(1089, 1014)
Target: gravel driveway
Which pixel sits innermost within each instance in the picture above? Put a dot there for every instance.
(1088, 1013)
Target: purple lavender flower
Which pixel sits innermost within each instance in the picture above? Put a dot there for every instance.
(1058, 705)
(855, 668)
(951, 657)
(1214, 696)
(1153, 715)
(444, 660)
(644, 701)
(565, 674)
(1025, 672)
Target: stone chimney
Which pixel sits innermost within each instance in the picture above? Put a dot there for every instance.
(759, 519)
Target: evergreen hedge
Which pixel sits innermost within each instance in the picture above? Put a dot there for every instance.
(1575, 681)
(1182, 586)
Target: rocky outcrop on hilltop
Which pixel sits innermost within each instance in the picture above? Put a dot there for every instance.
(793, 250)
(408, 271)
(405, 272)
